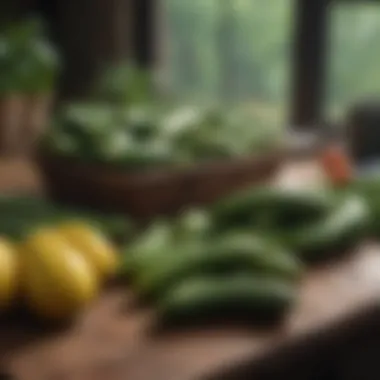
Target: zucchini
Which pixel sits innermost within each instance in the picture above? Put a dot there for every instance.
(202, 298)
(339, 231)
(192, 224)
(369, 188)
(271, 208)
(21, 214)
(366, 185)
(25, 205)
(228, 255)
(148, 248)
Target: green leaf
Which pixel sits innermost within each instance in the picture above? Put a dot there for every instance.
(125, 84)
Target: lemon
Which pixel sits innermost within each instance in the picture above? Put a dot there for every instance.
(8, 272)
(94, 246)
(58, 280)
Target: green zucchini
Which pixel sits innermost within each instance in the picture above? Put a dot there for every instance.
(366, 185)
(203, 298)
(340, 230)
(369, 188)
(271, 208)
(227, 255)
(147, 248)
(25, 205)
(192, 224)
(19, 215)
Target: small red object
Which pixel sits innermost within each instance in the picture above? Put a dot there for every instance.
(336, 165)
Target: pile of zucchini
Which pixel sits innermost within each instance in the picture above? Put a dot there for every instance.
(242, 257)
(151, 135)
(126, 123)
(315, 224)
(245, 255)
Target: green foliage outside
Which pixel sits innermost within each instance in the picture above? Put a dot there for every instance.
(232, 51)
(240, 50)
(354, 55)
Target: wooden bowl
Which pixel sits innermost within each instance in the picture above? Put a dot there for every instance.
(147, 193)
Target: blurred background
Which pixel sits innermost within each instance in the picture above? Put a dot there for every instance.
(290, 62)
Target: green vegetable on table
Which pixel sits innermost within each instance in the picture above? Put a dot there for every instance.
(205, 298)
(20, 215)
(270, 208)
(163, 238)
(227, 255)
(368, 187)
(346, 224)
(147, 248)
(245, 254)
(193, 224)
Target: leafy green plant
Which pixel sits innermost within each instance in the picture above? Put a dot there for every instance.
(124, 83)
(28, 61)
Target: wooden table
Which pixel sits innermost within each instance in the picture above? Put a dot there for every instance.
(111, 341)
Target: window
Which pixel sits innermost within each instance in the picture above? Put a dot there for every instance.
(234, 51)
(354, 55)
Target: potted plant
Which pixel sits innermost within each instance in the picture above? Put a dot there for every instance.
(29, 65)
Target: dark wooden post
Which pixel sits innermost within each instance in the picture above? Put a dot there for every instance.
(309, 62)
(91, 34)
(144, 32)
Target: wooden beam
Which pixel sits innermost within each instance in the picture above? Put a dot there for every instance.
(90, 34)
(12, 10)
(145, 41)
(95, 33)
(309, 62)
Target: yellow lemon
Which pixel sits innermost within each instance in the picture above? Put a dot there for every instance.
(95, 247)
(8, 272)
(58, 280)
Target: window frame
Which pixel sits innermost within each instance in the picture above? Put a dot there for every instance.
(309, 63)
(136, 37)
(308, 58)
